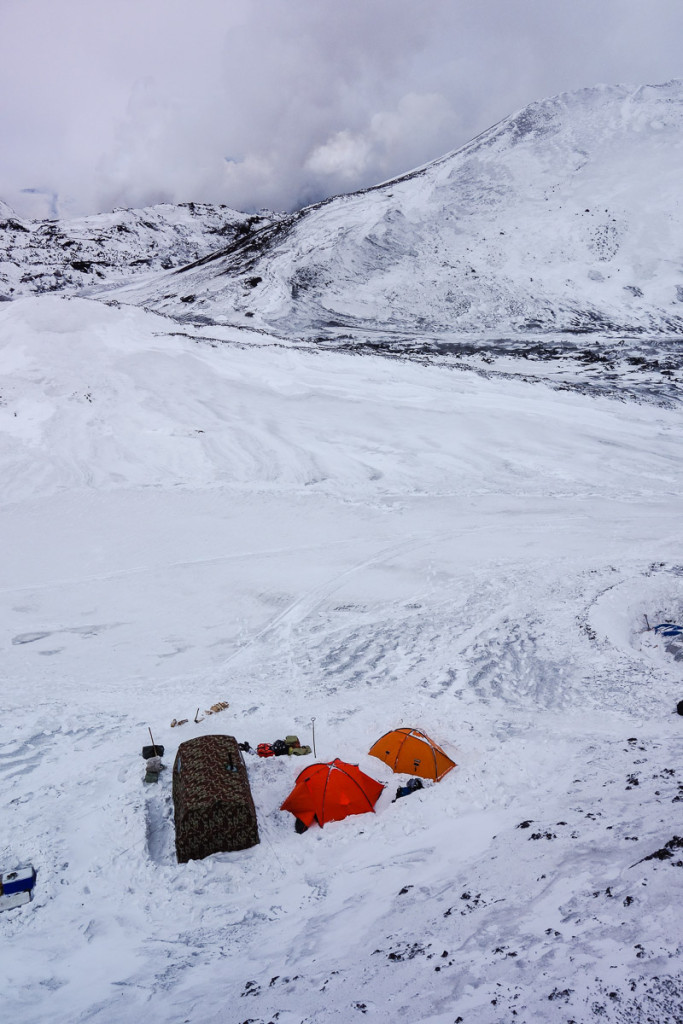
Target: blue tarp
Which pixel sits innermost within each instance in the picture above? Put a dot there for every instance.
(668, 629)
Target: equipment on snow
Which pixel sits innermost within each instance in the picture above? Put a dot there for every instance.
(278, 748)
(215, 708)
(16, 887)
(154, 751)
(154, 768)
(410, 787)
(668, 629)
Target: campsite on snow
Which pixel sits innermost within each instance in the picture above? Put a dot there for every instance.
(362, 525)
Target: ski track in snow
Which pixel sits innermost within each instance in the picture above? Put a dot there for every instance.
(374, 544)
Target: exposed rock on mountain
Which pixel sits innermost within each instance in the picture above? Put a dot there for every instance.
(54, 255)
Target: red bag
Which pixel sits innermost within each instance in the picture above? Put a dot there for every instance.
(265, 750)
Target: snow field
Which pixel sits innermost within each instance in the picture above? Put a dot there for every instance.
(375, 544)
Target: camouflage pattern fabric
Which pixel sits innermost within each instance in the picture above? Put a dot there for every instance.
(214, 808)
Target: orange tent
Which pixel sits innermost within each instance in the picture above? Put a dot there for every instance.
(412, 752)
(330, 792)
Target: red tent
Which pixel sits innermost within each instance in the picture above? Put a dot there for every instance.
(330, 792)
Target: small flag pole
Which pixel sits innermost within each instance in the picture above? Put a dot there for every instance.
(313, 727)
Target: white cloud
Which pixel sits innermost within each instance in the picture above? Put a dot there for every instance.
(121, 104)
(343, 156)
(415, 126)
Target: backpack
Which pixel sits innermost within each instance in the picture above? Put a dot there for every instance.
(410, 787)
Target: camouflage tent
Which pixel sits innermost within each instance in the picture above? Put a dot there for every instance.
(214, 808)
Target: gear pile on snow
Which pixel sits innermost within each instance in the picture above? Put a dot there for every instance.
(289, 745)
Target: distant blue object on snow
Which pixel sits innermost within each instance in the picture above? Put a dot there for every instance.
(20, 880)
(16, 887)
(411, 786)
(669, 629)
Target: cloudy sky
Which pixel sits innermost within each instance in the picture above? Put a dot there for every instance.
(276, 103)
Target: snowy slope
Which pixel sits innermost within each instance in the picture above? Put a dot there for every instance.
(55, 255)
(564, 217)
(208, 514)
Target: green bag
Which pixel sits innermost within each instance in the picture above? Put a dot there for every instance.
(299, 750)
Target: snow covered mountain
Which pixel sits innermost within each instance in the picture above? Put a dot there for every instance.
(55, 255)
(199, 505)
(565, 217)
